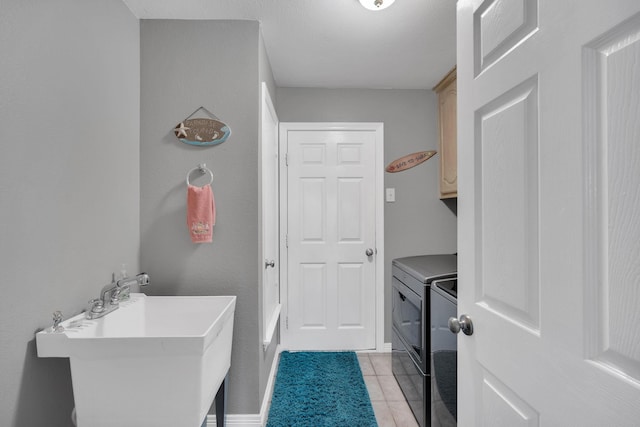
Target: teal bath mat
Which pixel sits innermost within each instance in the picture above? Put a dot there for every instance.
(320, 389)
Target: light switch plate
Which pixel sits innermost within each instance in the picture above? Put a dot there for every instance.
(390, 195)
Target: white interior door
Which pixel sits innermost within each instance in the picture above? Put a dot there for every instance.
(331, 236)
(549, 203)
(270, 221)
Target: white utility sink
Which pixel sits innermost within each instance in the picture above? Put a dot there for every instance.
(156, 361)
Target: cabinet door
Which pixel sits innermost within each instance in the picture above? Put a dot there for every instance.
(447, 107)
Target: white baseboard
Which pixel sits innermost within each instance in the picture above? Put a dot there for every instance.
(238, 420)
(253, 420)
(386, 348)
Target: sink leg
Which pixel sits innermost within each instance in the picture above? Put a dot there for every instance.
(221, 403)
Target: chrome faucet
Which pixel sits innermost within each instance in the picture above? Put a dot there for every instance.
(112, 294)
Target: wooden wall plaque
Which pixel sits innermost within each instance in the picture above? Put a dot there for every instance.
(202, 131)
(409, 161)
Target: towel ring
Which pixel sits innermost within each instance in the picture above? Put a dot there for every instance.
(202, 168)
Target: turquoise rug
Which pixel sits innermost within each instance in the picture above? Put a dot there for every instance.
(320, 389)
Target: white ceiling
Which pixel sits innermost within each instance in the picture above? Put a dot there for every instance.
(337, 43)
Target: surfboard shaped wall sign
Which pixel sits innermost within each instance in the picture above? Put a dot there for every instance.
(202, 132)
(409, 161)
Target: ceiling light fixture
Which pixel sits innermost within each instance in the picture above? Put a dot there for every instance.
(376, 4)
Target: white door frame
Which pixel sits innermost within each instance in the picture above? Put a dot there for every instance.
(269, 249)
(378, 128)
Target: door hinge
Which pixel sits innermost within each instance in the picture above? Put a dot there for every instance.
(286, 241)
(286, 159)
(286, 322)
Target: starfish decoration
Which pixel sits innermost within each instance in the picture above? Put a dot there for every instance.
(181, 130)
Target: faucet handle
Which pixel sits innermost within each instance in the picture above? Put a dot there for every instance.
(120, 293)
(96, 305)
(115, 297)
(57, 319)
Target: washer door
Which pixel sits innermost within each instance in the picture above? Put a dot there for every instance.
(407, 319)
(443, 354)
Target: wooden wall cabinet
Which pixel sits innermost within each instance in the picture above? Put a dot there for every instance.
(447, 115)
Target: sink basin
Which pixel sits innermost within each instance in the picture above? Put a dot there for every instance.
(156, 361)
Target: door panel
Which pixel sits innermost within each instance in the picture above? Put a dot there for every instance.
(312, 210)
(499, 26)
(502, 407)
(508, 278)
(350, 213)
(549, 229)
(311, 296)
(611, 68)
(351, 289)
(331, 296)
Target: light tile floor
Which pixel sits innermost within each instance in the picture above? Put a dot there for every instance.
(388, 402)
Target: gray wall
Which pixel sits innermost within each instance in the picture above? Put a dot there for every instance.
(216, 64)
(418, 222)
(69, 182)
(80, 195)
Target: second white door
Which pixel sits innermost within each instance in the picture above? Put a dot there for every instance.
(331, 238)
(549, 231)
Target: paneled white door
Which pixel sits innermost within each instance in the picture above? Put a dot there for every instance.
(331, 238)
(549, 212)
(270, 221)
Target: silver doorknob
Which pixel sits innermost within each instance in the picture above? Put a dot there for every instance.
(268, 263)
(464, 324)
(369, 252)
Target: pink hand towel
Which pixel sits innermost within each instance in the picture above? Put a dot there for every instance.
(201, 213)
